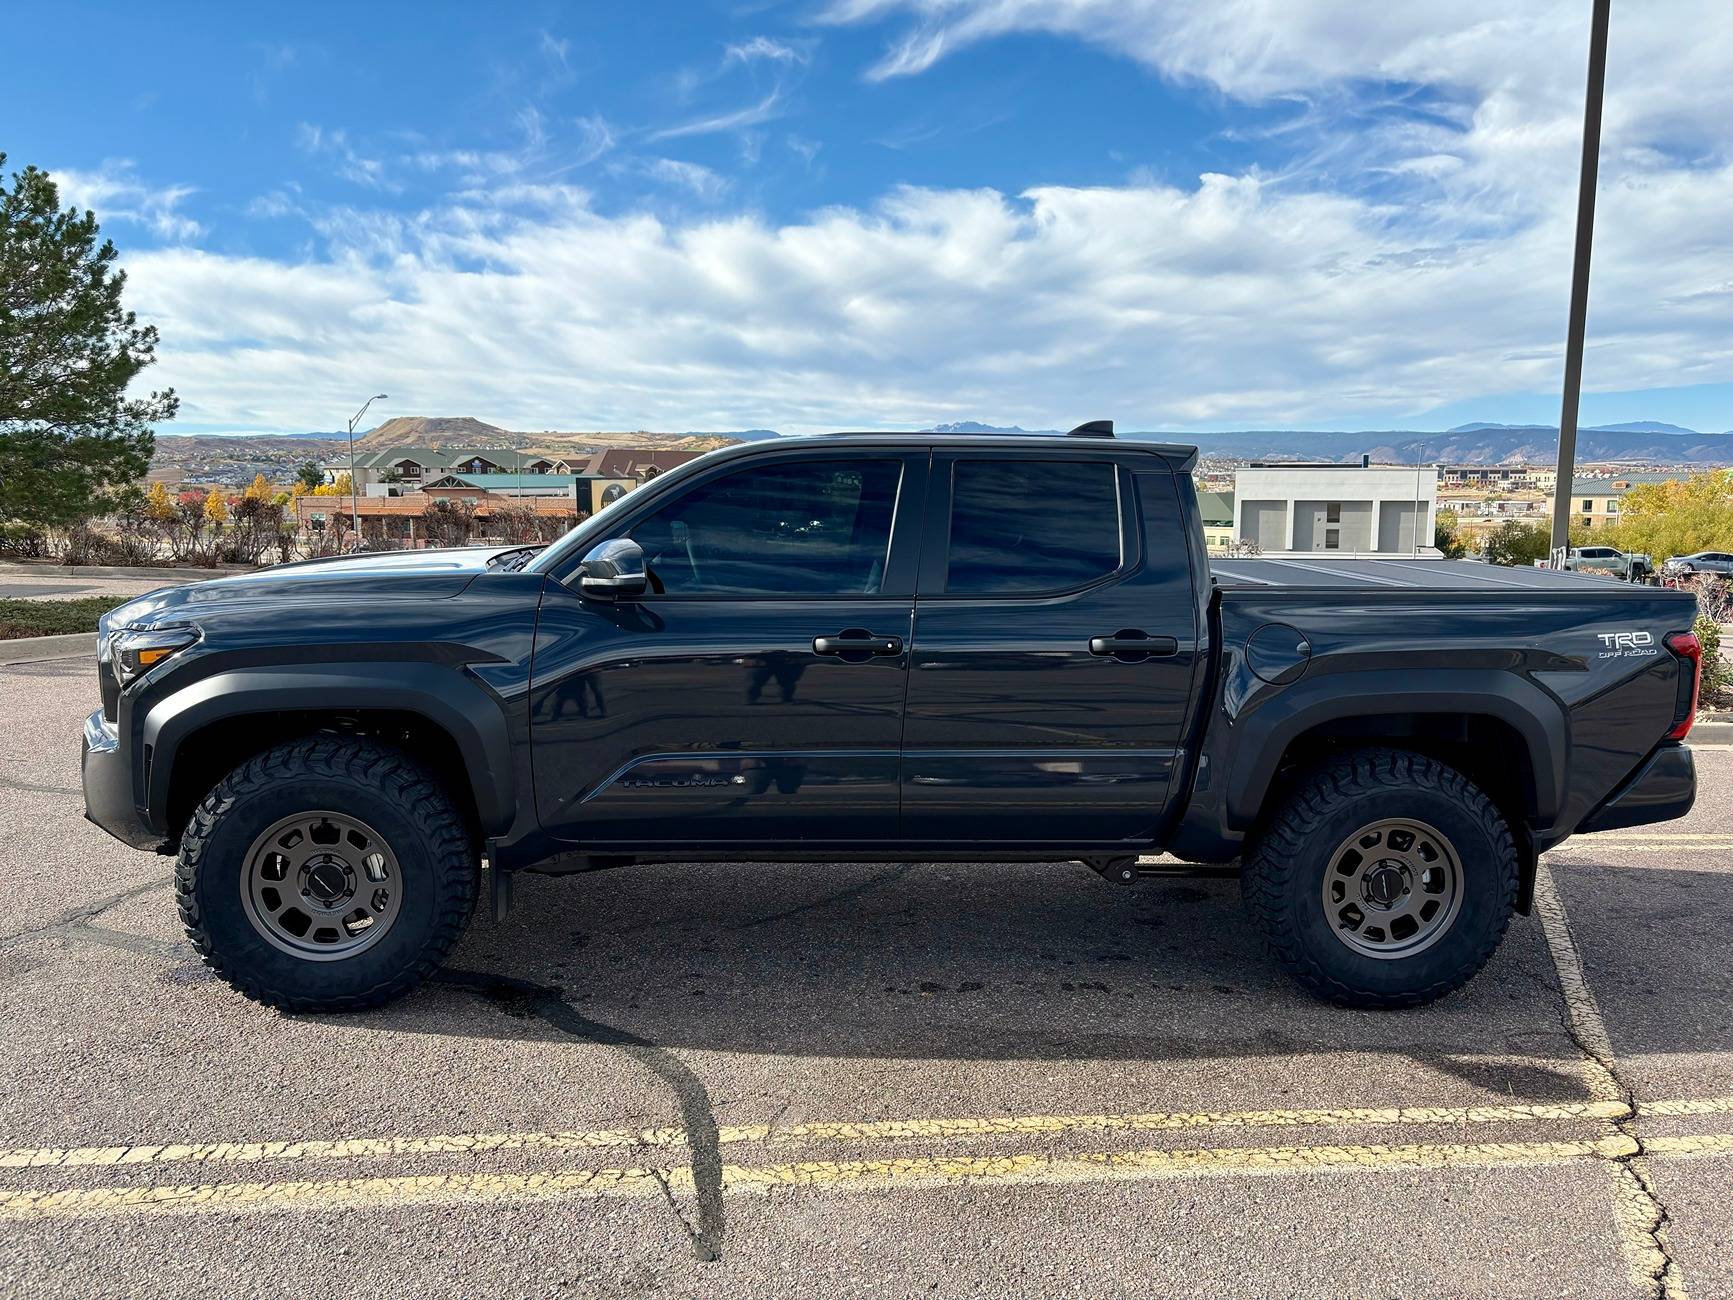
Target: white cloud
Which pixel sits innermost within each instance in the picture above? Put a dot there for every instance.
(116, 193)
(1236, 302)
(763, 47)
(1410, 249)
(705, 184)
(351, 165)
(731, 120)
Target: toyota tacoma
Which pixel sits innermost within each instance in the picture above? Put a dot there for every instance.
(862, 647)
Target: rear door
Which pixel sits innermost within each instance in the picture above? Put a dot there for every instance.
(1055, 647)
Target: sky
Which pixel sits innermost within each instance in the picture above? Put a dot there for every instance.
(811, 214)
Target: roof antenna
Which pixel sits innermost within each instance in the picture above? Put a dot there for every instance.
(1094, 429)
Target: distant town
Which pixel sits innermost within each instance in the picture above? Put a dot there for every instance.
(1268, 492)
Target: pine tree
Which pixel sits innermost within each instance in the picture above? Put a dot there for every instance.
(69, 435)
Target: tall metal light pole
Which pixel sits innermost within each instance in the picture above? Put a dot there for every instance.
(354, 499)
(1567, 425)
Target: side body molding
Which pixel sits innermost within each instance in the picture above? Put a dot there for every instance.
(1265, 727)
(443, 694)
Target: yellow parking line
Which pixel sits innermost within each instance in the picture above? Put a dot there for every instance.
(1686, 1106)
(843, 1131)
(1707, 1144)
(375, 1193)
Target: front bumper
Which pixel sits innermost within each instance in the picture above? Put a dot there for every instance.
(108, 798)
(1661, 789)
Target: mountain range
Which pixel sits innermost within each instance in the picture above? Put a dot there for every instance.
(1481, 443)
(230, 458)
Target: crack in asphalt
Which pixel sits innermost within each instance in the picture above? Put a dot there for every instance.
(547, 1003)
(1582, 1022)
(840, 896)
(8, 783)
(75, 919)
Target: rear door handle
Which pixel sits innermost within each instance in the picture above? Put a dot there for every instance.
(857, 643)
(1133, 646)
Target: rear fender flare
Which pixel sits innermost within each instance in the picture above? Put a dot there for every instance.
(1262, 735)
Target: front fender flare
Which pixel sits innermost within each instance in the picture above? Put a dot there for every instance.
(444, 695)
(1263, 733)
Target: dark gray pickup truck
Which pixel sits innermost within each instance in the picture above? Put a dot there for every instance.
(863, 647)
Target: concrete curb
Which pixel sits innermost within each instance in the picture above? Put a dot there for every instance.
(1711, 733)
(109, 571)
(29, 649)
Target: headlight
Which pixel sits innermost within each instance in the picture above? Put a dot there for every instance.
(135, 653)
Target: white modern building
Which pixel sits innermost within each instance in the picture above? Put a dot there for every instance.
(1364, 509)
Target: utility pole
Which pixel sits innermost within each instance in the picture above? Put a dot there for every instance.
(1567, 425)
(355, 488)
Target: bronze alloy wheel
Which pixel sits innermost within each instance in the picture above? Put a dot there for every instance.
(321, 886)
(1393, 888)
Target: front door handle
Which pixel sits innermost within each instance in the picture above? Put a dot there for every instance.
(1132, 646)
(855, 642)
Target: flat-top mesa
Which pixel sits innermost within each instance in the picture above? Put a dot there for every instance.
(917, 646)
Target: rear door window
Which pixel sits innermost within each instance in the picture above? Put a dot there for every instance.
(1031, 527)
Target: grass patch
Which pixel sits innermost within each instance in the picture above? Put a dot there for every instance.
(20, 618)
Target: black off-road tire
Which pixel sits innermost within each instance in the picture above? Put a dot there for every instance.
(358, 777)
(1283, 876)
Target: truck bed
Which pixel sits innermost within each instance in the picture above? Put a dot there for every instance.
(1418, 573)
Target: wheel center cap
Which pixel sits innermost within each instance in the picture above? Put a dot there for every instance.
(1385, 885)
(327, 881)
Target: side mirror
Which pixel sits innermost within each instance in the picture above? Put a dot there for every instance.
(614, 569)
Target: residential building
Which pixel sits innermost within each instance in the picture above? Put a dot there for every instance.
(1351, 510)
(1598, 502)
(1497, 479)
(588, 492)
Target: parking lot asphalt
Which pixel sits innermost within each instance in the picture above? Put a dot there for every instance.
(850, 1080)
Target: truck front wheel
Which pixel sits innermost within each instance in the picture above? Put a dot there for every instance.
(1386, 879)
(327, 874)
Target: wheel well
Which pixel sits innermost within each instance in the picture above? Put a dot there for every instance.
(211, 753)
(1478, 745)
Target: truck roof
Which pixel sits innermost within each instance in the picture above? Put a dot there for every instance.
(1180, 456)
(1418, 573)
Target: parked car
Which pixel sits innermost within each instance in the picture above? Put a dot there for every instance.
(1632, 566)
(1683, 566)
(860, 647)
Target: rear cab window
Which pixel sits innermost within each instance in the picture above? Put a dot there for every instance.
(1029, 527)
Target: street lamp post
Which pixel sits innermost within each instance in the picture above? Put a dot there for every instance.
(354, 501)
(1567, 425)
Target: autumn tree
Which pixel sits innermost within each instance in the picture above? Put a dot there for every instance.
(69, 435)
(159, 505)
(1516, 543)
(1678, 517)
(447, 521)
(259, 490)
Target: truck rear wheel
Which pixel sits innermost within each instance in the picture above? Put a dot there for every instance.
(327, 874)
(1387, 879)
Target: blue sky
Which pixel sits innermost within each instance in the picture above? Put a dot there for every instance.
(891, 212)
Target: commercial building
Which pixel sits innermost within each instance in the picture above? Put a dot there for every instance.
(1350, 510)
(1217, 512)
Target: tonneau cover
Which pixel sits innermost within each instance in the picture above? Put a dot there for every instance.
(1421, 573)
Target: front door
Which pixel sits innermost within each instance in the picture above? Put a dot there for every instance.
(1055, 651)
(755, 694)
